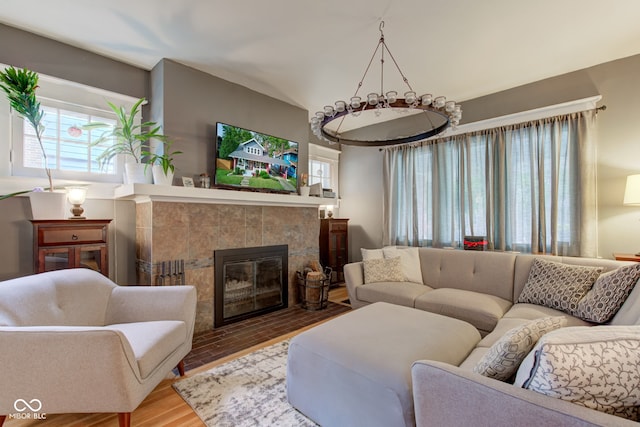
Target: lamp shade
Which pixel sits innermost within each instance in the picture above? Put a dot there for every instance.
(632, 191)
(76, 195)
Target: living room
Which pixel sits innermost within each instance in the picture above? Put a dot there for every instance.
(189, 102)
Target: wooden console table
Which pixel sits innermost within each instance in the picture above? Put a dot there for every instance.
(626, 257)
(59, 244)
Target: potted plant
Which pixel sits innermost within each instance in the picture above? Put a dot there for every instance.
(129, 139)
(304, 189)
(20, 87)
(162, 165)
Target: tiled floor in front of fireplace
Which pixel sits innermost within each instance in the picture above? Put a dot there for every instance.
(226, 340)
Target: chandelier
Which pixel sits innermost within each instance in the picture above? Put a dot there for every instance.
(429, 115)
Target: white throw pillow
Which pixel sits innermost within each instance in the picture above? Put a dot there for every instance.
(592, 366)
(410, 259)
(371, 253)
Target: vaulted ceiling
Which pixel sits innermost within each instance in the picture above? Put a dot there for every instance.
(310, 53)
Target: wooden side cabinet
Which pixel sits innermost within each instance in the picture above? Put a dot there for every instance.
(334, 246)
(59, 244)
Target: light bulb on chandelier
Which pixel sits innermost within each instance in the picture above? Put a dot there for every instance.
(439, 114)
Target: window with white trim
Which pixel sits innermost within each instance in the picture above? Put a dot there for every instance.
(70, 149)
(323, 167)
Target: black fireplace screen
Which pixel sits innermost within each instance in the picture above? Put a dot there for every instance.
(249, 282)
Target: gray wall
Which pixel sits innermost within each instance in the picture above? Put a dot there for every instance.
(192, 103)
(618, 133)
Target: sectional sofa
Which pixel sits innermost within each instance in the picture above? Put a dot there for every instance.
(451, 337)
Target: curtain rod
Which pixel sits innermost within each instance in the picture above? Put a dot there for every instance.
(596, 109)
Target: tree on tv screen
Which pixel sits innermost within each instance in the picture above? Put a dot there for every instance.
(231, 139)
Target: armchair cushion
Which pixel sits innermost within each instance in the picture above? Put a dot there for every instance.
(152, 342)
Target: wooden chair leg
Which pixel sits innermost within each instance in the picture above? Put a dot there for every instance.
(124, 419)
(181, 368)
(2, 418)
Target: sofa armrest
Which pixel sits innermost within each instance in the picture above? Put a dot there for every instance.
(91, 364)
(447, 395)
(354, 277)
(130, 304)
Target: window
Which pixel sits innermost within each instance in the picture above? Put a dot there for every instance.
(523, 187)
(68, 147)
(67, 107)
(323, 167)
(320, 171)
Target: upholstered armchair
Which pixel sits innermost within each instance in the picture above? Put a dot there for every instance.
(72, 341)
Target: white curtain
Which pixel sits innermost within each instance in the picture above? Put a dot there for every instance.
(529, 187)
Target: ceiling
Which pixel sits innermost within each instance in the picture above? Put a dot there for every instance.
(311, 53)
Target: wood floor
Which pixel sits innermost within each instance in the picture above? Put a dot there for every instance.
(163, 407)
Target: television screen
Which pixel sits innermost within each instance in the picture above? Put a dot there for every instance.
(251, 160)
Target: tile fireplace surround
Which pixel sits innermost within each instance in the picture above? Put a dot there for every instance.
(191, 231)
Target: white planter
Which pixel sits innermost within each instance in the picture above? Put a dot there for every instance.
(159, 177)
(304, 191)
(137, 173)
(48, 205)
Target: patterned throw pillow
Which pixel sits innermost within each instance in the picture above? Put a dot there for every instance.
(596, 367)
(505, 355)
(558, 286)
(383, 270)
(608, 294)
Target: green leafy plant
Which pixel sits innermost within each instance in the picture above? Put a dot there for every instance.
(165, 159)
(20, 86)
(128, 137)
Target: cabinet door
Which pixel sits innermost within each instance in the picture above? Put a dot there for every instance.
(54, 259)
(93, 257)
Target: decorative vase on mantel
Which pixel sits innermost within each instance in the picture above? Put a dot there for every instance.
(137, 173)
(159, 177)
(304, 190)
(48, 205)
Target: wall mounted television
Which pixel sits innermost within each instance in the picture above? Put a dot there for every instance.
(249, 160)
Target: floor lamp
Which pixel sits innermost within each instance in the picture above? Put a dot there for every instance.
(632, 193)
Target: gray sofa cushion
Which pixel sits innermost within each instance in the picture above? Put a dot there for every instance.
(485, 272)
(401, 293)
(481, 310)
(534, 311)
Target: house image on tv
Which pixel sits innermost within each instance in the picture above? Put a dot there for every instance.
(251, 157)
(291, 157)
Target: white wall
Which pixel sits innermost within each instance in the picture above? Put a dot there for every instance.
(361, 193)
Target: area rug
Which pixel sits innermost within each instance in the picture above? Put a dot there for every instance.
(248, 391)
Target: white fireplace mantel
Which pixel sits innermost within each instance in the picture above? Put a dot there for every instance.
(141, 193)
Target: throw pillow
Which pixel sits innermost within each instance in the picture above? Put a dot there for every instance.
(410, 259)
(558, 286)
(383, 270)
(596, 367)
(505, 355)
(371, 253)
(608, 294)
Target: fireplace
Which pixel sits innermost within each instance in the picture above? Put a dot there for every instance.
(249, 282)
